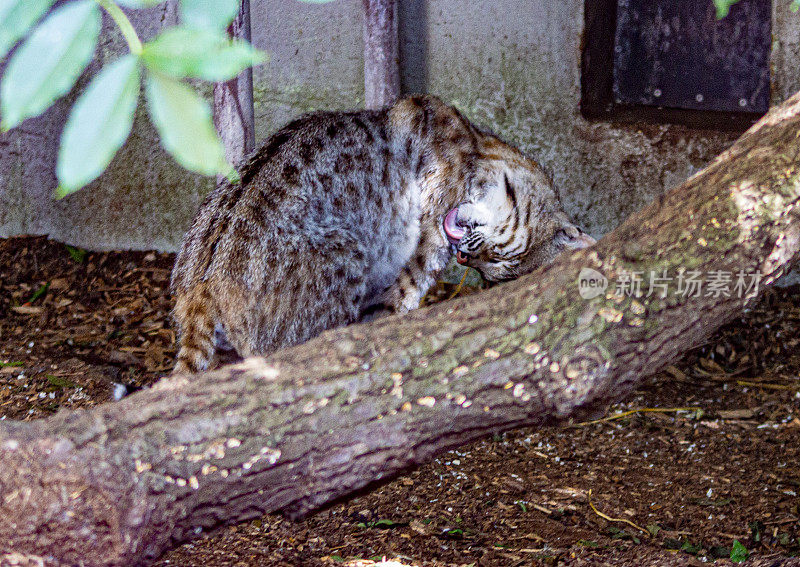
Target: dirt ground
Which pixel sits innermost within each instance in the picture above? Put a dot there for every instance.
(667, 487)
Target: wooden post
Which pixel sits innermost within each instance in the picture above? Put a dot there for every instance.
(381, 53)
(234, 114)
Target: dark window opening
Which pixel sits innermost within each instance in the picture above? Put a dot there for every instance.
(673, 61)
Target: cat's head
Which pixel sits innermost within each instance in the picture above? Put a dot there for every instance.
(511, 221)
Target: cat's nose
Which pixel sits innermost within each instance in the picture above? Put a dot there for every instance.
(574, 238)
(583, 241)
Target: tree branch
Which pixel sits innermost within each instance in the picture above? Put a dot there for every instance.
(381, 54)
(234, 113)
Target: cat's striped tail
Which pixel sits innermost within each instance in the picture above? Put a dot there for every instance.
(195, 317)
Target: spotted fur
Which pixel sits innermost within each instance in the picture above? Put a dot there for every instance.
(341, 213)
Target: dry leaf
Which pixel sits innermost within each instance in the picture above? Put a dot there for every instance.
(27, 309)
(737, 414)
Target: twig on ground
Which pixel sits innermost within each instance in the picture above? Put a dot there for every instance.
(610, 519)
(768, 386)
(633, 411)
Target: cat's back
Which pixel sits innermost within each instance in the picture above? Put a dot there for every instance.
(314, 186)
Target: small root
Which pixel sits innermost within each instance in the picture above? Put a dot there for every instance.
(459, 286)
(610, 519)
(633, 411)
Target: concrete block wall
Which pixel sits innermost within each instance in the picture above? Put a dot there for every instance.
(510, 65)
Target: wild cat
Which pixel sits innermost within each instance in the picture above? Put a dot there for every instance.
(340, 213)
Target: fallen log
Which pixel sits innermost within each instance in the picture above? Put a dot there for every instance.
(121, 483)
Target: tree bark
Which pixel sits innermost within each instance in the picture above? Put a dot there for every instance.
(381, 54)
(234, 113)
(119, 484)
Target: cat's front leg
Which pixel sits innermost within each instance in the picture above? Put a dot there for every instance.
(404, 294)
(419, 274)
(407, 292)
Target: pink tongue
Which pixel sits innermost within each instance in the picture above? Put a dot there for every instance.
(454, 232)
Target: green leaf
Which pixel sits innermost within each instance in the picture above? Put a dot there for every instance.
(138, 4)
(77, 254)
(691, 548)
(16, 18)
(723, 7)
(385, 524)
(49, 63)
(98, 125)
(60, 382)
(756, 530)
(795, 5)
(209, 14)
(39, 292)
(184, 121)
(202, 54)
(738, 552)
(719, 552)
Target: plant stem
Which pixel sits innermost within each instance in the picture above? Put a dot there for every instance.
(124, 24)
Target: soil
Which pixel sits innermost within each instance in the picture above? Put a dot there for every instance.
(701, 456)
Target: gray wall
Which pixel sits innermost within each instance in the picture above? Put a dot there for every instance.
(511, 65)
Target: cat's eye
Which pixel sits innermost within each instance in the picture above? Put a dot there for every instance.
(566, 235)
